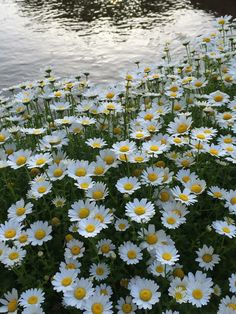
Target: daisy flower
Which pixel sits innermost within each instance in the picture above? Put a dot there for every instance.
(152, 176)
(140, 210)
(177, 290)
(180, 125)
(39, 232)
(218, 98)
(74, 249)
(105, 247)
(19, 158)
(109, 157)
(81, 210)
(19, 210)
(14, 256)
(128, 185)
(64, 280)
(98, 304)
(124, 147)
(227, 305)
(40, 188)
(196, 186)
(144, 293)
(99, 271)
(167, 254)
(84, 183)
(99, 168)
(79, 168)
(216, 192)
(158, 269)
(224, 228)
(184, 196)
(39, 160)
(130, 253)
(103, 289)
(206, 259)
(230, 198)
(82, 290)
(98, 192)
(126, 306)
(57, 171)
(10, 230)
(103, 215)
(171, 220)
(154, 147)
(122, 225)
(199, 289)
(31, 297)
(96, 142)
(152, 237)
(89, 227)
(9, 302)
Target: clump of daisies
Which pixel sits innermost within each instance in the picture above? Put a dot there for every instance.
(121, 198)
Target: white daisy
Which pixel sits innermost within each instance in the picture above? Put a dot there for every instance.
(140, 210)
(130, 253)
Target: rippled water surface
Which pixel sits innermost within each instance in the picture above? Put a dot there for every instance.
(103, 37)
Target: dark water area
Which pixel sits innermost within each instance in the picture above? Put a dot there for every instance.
(102, 37)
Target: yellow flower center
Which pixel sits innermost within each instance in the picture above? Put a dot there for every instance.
(42, 189)
(207, 258)
(233, 200)
(151, 238)
(177, 140)
(186, 179)
(79, 293)
(14, 255)
(227, 116)
(70, 266)
(109, 160)
(217, 194)
(99, 217)
(84, 185)
(2, 137)
(66, 281)
(105, 248)
(75, 250)
(159, 269)
(124, 148)
(40, 234)
(97, 195)
(110, 95)
(97, 308)
(10, 233)
(228, 140)
(196, 188)
(57, 172)
(132, 254)
(148, 116)
(182, 128)
(171, 220)
(127, 308)
(232, 306)
(197, 294)
(183, 197)
(178, 296)
(90, 228)
(139, 159)
(99, 170)
(201, 136)
(122, 226)
(154, 148)
(152, 177)
(218, 98)
(167, 256)
(99, 271)
(128, 186)
(57, 94)
(80, 172)
(226, 229)
(140, 210)
(83, 213)
(198, 84)
(40, 161)
(178, 272)
(20, 211)
(33, 299)
(164, 196)
(12, 306)
(21, 160)
(214, 151)
(23, 238)
(174, 88)
(145, 295)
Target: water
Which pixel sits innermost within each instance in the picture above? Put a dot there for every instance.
(103, 37)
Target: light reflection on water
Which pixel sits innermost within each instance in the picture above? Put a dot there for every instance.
(103, 37)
